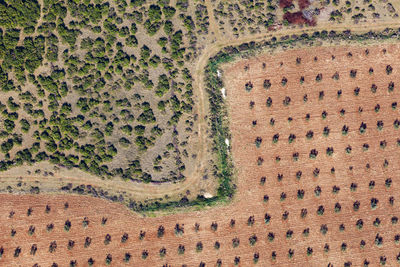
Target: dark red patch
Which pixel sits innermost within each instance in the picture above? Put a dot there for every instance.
(285, 3)
(298, 18)
(303, 4)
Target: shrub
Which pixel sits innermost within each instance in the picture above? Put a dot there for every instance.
(291, 138)
(310, 134)
(275, 138)
(382, 260)
(214, 226)
(329, 151)
(290, 253)
(52, 246)
(124, 238)
(317, 191)
(145, 254)
(9, 125)
(285, 215)
(85, 222)
(388, 182)
(345, 130)
(127, 257)
(396, 124)
(338, 207)
(363, 127)
(160, 231)
(326, 131)
(91, 261)
(320, 210)
(284, 81)
(313, 154)
(289, 234)
(397, 239)
(391, 87)
(374, 88)
(71, 244)
(267, 84)
(199, 247)
(377, 222)
(378, 240)
(318, 78)
(389, 69)
(335, 76)
(309, 251)
(256, 257)
(303, 213)
(248, 86)
(50, 227)
(258, 141)
(107, 239)
(356, 205)
(374, 203)
(269, 102)
(253, 240)
(357, 91)
(142, 234)
(286, 101)
(181, 249)
(67, 225)
(271, 236)
(31, 230)
(235, 242)
(88, 241)
(250, 221)
(179, 229)
(163, 252)
(300, 194)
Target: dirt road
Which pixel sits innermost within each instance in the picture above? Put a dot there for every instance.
(151, 191)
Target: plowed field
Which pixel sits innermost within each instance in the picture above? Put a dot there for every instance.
(317, 160)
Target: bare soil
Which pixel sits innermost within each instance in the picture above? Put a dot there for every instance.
(249, 201)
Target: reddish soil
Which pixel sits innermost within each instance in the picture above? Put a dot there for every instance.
(349, 169)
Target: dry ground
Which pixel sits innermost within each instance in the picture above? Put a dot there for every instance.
(349, 168)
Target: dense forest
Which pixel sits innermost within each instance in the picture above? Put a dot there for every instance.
(104, 86)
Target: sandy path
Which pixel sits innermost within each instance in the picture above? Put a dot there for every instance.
(146, 191)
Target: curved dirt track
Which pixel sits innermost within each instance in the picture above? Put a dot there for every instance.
(151, 191)
(249, 199)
